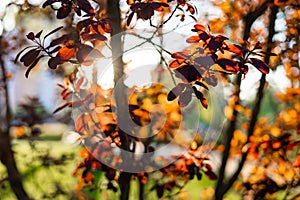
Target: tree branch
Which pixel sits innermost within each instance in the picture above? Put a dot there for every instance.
(220, 190)
(259, 97)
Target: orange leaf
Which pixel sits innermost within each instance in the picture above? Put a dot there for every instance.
(193, 39)
(66, 53)
(236, 49)
(176, 63)
(297, 162)
(199, 27)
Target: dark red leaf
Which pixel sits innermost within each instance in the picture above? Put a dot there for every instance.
(176, 91)
(268, 53)
(63, 12)
(191, 9)
(53, 31)
(205, 61)
(56, 49)
(84, 23)
(204, 36)
(159, 190)
(107, 27)
(62, 39)
(68, 104)
(178, 55)
(188, 73)
(212, 80)
(30, 56)
(89, 37)
(171, 95)
(129, 18)
(54, 62)
(77, 10)
(157, 5)
(66, 94)
(86, 7)
(202, 85)
(30, 36)
(211, 175)
(38, 35)
(237, 49)
(201, 97)
(146, 12)
(60, 85)
(48, 3)
(257, 46)
(228, 65)
(199, 175)
(33, 65)
(260, 65)
(185, 98)
(85, 53)
(18, 55)
(293, 144)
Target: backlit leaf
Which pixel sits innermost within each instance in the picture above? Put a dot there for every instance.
(193, 39)
(236, 49)
(297, 162)
(191, 9)
(201, 97)
(228, 65)
(199, 27)
(66, 53)
(175, 63)
(260, 65)
(202, 84)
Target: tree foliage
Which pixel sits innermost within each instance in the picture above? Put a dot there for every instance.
(269, 148)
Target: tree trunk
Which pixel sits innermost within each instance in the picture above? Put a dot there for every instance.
(7, 158)
(114, 14)
(6, 153)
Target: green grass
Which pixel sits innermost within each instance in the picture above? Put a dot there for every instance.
(41, 179)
